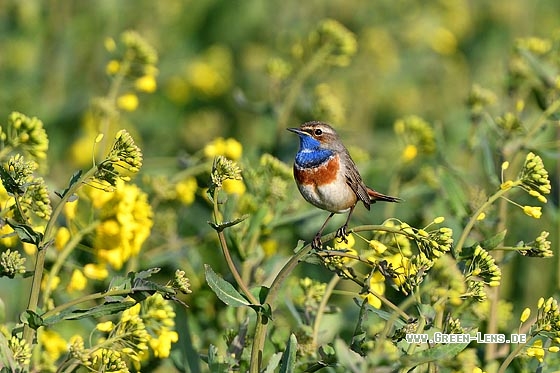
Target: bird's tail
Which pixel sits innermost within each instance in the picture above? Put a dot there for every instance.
(376, 196)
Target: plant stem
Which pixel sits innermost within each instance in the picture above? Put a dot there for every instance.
(467, 230)
(512, 355)
(28, 332)
(321, 309)
(227, 255)
(285, 271)
(61, 258)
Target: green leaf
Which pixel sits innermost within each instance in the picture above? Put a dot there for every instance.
(25, 232)
(223, 289)
(488, 244)
(399, 323)
(220, 227)
(73, 180)
(493, 242)
(215, 362)
(347, 358)
(146, 273)
(95, 312)
(32, 319)
(288, 363)
(439, 352)
(273, 363)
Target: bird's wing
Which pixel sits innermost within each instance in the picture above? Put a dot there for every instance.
(354, 180)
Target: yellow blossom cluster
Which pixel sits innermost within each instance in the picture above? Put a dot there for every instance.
(417, 136)
(125, 223)
(209, 75)
(135, 59)
(230, 148)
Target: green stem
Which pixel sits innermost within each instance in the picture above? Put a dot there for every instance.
(112, 98)
(512, 355)
(258, 343)
(61, 258)
(29, 333)
(286, 270)
(322, 306)
(227, 255)
(461, 242)
(261, 328)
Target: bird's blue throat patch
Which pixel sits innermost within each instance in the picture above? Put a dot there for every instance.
(310, 153)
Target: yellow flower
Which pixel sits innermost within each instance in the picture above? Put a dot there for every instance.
(127, 102)
(146, 83)
(130, 313)
(45, 281)
(234, 186)
(162, 344)
(409, 153)
(379, 247)
(62, 237)
(106, 326)
(77, 282)
(536, 350)
(399, 263)
(234, 149)
(80, 152)
(377, 285)
(8, 241)
(532, 211)
(98, 197)
(443, 41)
(211, 73)
(439, 220)
(29, 248)
(525, 314)
(110, 44)
(112, 67)
(340, 245)
(481, 216)
(230, 148)
(53, 343)
(127, 225)
(186, 190)
(96, 271)
(205, 78)
(508, 184)
(270, 247)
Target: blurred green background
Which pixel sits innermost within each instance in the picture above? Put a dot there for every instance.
(413, 57)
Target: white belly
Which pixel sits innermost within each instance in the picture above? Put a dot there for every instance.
(334, 197)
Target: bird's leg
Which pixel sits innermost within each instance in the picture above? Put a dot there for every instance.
(341, 232)
(316, 243)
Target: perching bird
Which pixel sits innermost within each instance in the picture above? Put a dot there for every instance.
(327, 176)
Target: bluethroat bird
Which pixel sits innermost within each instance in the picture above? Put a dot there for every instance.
(327, 176)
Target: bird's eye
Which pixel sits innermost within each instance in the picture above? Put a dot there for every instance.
(318, 132)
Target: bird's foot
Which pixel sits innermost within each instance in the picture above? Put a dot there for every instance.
(342, 233)
(316, 244)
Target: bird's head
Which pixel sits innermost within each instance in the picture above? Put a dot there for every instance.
(316, 135)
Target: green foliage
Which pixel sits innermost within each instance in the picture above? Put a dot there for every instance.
(160, 226)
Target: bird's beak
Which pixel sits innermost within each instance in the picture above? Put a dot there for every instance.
(297, 131)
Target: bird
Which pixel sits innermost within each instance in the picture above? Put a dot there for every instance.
(328, 178)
